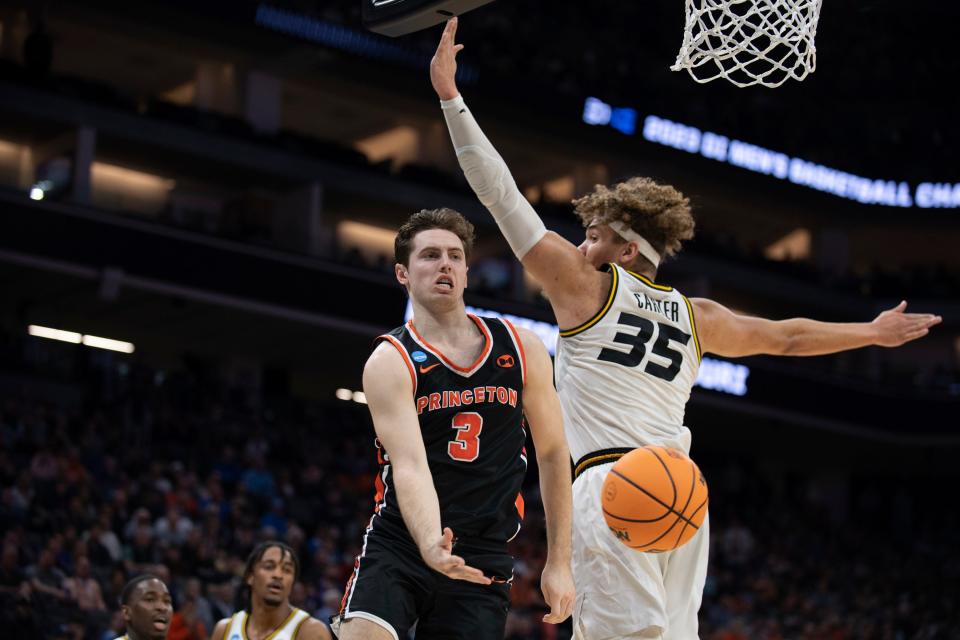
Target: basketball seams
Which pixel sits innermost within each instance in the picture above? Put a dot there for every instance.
(666, 468)
(661, 536)
(669, 511)
(643, 491)
(692, 514)
(693, 487)
(652, 497)
(616, 517)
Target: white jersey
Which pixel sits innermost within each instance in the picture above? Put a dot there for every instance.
(237, 629)
(624, 376)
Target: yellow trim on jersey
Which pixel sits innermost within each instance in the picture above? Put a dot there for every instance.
(594, 460)
(273, 634)
(229, 626)
(650, 283)
(693, 328)
(566, 333)
(296, 631)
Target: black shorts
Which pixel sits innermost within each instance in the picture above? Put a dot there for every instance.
(393, 587)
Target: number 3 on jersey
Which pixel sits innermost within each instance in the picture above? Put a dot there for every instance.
(466, 446)
(638, 341)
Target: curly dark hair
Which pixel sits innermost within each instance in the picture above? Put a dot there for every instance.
(425, 219)
(658, 212)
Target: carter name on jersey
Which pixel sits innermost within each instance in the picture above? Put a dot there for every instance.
(670, 309)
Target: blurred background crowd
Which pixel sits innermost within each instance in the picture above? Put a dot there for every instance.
(181, 475)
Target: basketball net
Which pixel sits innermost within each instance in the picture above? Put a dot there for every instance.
(749, 42)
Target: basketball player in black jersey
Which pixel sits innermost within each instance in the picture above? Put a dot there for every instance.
(448, 393)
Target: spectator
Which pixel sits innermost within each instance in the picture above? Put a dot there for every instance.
(186, 623)
(46, 580)
(173, 528)
(13, 582)
(258, 480)
(193, 591)
(85, 593)
(221, 600)
(83, 589)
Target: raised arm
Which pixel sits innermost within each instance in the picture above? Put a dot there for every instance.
(389, 391)
(732, 335)
(542, 409)
(555, 263)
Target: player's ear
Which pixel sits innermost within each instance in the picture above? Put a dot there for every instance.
(400, 271)
(628, 253)
(125, 612)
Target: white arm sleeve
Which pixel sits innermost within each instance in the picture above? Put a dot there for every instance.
(490, 179)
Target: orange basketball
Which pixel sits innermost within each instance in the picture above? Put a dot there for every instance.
(654, 499)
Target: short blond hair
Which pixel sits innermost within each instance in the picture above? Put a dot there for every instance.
(658, 212)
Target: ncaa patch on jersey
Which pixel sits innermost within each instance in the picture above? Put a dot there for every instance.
(505, 361)
(419, 356)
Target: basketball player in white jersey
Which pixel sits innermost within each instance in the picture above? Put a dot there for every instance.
(265, 611)
(146, 608)
(628, 356)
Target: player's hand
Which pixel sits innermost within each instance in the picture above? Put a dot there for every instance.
(443, 66)
(556, 582)
(894, 327)
(439, 557)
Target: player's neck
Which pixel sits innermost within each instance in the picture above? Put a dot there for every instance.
(646, 271)
(442, 324)
(265, 619)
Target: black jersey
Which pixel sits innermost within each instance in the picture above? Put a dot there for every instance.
(472, 425)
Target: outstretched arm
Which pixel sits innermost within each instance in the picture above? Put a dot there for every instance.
(542, 408)
(389, 391)
(555, 263)
(728, 334)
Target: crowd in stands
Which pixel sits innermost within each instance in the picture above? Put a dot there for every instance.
(110, 468)
(243, 218)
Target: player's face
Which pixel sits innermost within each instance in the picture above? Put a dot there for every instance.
(600, 245)
(272, 577)
(149, 612)
(438, 267)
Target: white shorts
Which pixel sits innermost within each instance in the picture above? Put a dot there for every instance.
(622, 592)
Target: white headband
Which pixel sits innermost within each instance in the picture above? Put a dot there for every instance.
(645, 248)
